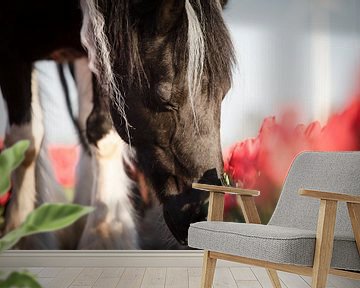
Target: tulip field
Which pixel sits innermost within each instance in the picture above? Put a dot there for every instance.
(262, 162)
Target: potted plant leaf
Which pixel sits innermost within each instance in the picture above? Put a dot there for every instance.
(46, 218)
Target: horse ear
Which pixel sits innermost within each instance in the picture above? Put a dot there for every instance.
(169, 13)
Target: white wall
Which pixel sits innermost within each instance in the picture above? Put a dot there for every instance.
(302, 53)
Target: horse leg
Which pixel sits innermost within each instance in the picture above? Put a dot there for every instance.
(112, 225)
(86, 167)
(83, 79)
(16, 84)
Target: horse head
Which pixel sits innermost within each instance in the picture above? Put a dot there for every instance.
(167, 66)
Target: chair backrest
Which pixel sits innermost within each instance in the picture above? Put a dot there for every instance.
(325, 171)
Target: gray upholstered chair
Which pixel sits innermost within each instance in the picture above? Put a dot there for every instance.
(305, 234)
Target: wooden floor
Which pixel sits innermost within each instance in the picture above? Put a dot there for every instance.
(177, 277)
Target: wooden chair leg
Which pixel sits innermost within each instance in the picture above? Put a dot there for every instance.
(324, 243)
(354, 212)
(274, 278)
(208, 270)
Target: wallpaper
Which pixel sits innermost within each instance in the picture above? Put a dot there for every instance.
(295, 87)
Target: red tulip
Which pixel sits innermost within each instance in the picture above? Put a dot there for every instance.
(241, 162)
(229, 202)
(64, 160)
(4, 199)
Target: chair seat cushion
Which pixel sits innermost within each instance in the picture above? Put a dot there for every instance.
(270, 243)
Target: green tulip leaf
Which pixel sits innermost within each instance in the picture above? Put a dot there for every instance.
(19, 280)
(46, 218)
(10, 159)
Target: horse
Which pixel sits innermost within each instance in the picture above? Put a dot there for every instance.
(162, 68)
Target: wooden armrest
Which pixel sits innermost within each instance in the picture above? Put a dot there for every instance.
(330, 196)
(216, 201)
(327, 219)
(226, 189)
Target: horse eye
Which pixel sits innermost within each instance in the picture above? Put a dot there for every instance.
(167, 105)
(164, 97)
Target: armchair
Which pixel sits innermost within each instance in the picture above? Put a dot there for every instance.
(312, 232)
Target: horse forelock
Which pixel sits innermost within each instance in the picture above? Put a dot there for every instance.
(196, 52)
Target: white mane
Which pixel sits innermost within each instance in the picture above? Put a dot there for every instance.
(196, 50)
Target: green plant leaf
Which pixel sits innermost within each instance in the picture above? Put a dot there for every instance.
(54, 216)
(19, 280)
(48, 217)
(11, 238)
(10, 159)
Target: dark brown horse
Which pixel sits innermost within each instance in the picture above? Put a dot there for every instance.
(164, 67)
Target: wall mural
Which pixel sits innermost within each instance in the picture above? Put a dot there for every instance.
(294, 88)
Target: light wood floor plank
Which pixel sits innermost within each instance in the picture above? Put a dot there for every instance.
(65, 278)
(243, 274)
(340, 282)
(50, 272)
(44, 282)
(177, 278)
(248, 284)
(131, 278)
(308, 280)
(106, 282)
(293, 280)
(154, 278)
(263, 278)
(87, 277)
(224, 278)
(110, 272)
(35, 270)
(171, 277)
